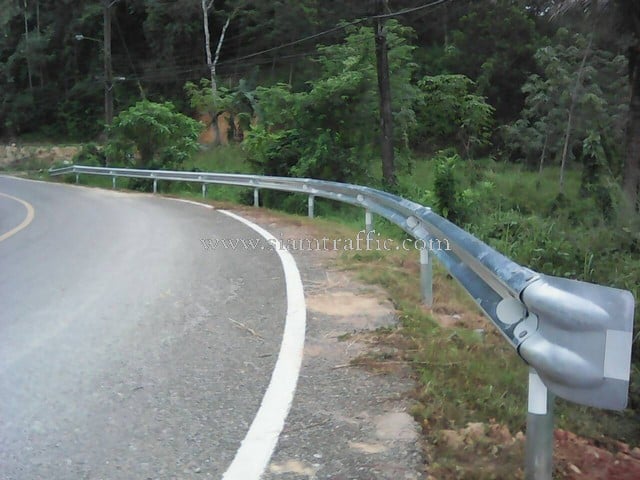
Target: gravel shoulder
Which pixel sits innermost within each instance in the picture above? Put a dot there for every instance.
(346, 421)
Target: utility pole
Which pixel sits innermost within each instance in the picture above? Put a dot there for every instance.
(384, 86)
(108, 71)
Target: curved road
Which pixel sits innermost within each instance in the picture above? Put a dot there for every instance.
(127, 350)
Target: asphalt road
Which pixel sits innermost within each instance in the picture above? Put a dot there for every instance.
(127, 351)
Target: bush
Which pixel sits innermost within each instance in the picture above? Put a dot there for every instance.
(450, 114)
(457, 202)
(90, 155)
(152, 135)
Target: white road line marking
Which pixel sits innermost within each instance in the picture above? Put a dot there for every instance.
(253, 456)
(27, 219)
(182, 200)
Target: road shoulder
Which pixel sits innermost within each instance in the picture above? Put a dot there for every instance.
(346, 421)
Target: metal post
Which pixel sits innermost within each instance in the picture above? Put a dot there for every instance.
(426, 277)
(204, 190)
(310, 204)
(368, 221)
(155, 185)
(256, 197)
(539, 446)
(113, 182)
(77, 177)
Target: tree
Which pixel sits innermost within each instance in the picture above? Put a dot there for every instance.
(493, 43)
(450, 113)
(576, 94)
(212, 61)
(152, 135)
(238, 102)
(329, 130)
(625, 15)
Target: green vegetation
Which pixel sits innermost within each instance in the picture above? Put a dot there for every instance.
(318, 132)
(151, 135)
(449, 110)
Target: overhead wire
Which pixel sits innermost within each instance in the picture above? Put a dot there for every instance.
(164, 73)
(340, 27)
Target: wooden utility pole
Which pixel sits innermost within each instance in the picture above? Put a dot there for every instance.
(384, 87)
(27, 46)
(108, 71)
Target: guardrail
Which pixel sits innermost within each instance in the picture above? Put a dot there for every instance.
(575, 336)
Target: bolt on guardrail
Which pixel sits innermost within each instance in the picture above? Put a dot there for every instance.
(575, 336)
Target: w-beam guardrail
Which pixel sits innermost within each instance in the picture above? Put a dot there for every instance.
(575, 336)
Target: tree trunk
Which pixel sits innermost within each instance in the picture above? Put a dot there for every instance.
(26, 39)
(574, 99)
(206, 6)
(631, 184)
(384, 87)
(212, 62)
(445, 24)
(218, 48)
(41, 73)
(544, 154)
(108, 68)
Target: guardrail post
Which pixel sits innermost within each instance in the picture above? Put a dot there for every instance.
(113, 182)
(256, 197)
(155, 185)
(204, 190)
(426, 277)
(310, 205)
(368, 221)
(77, 178)
(539, 444)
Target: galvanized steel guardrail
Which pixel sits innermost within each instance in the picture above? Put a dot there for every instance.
(575, 336)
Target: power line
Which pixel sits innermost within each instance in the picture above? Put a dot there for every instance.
(240, 62)
(126, 48)
(338, 28)
(410, 10)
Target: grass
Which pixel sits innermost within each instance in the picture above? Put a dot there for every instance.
(230, 159)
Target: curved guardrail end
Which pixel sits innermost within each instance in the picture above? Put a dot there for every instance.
(582, 345)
